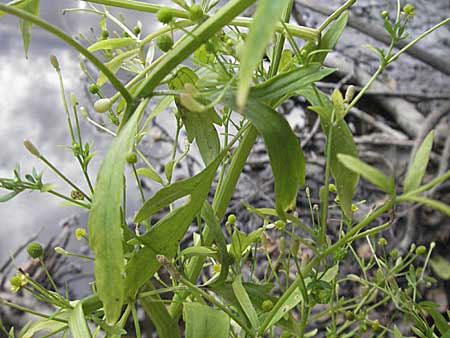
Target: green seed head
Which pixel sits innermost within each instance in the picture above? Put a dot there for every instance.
(382, 241)
(35, 250)
(350, 94)
(105, 34)
(196, 13)
(102, 105)
(164, 42)
(231, 219)
(267, 305)
(136, 30)
(93, 89)
(385, 15)
(165, 15)
(421, 250)
(54, 62)
(31, 148)
(280, 224)
(409, 9)
(132, 158)
(394, 253)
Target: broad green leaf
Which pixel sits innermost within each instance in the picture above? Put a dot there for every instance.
(150, 173)
(446, 335)
(32, 7)
(105, 226)
(286, 84)
(441, 267)
(285, 153)
(245, 302)
(373, 175)
(214, 225)
(267, 15)
(442, 207)
(115, 64)
(203, 321)
(77, 322)
(165, 236)
(342, 141)
(113, 43)
(165, 325)
(199, 124)
(418, 167)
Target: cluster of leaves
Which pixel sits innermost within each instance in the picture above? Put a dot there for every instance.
(228, 86)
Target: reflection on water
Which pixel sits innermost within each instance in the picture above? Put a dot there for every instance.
(31, 108)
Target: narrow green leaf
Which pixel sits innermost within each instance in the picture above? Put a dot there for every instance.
(113, 43)
(150, 173)
(32, 7)
(262, 27)
(343, 143)
(288, 83)
(16, 3)
(8, 196)
(418, 167)
(373, 175)
(285, 153)
(440, 206)
(105, 228)
(165, 236)
(245, 302)
(338, 104)
(397, 332)
(439, 320)
(115, 64)
(165, 325)
(77, 323)
(203, 321)
(294, 299)
(202, 251)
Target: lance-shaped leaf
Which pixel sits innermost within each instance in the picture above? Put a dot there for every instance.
(418, 167)
(165, 236)
(203, 321)
(342, 141)
(77, 322)
(245, 302)
(267, 15)
(32, 7)
(113, 43)
(105, 227)
(115, 64)
(199, 124)
(285, 153)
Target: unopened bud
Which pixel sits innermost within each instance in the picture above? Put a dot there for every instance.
(31, 148)
(54, 62)
(350, 94)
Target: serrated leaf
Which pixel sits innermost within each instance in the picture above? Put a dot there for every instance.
(245, 302)
(113, 43)
(115, 64)
(373, 175)
(199, 124)
(203, 321)
(285, 153)
(343, 143)
(262, 27)
(104, 224)
(418, 167)
(288, 83)
(77, 322)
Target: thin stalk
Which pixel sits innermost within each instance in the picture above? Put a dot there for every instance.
(66, 38)
(57, 194)
(336, 14)
(30, 311)
(47, 273)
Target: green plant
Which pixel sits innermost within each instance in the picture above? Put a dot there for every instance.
(228, 76)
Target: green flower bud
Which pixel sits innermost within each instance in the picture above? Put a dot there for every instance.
(136, 30)
(376, 325)
(35, 250)
(382, 241)
(80, 233)
(231, 219)
(94, 89)
(409, 9)
(54, 62)
(350, 94)
(132, 158)
(267, 305)
(31, 148)
(280, 224)
(385, 14)
(125, 34)
(331, 188)
(164, 42)
(421, 250)
(394, 253)
(17, 281)
(165, 15)
(196, 13)
(102, 105)
(105, 35)
(84, 112)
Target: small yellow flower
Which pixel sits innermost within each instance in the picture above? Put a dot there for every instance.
(217, 267)
(80, 233)
(354, 208)
(17, 281)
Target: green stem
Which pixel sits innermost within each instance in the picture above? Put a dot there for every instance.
(47, 273)
(336, 14)
(30, 311)
(66, 38)
(57, 194)
(365, 89)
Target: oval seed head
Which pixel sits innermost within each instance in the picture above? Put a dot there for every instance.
(132, 158)
(35, 250)
(102, 105)
(136, 30)
(421, 250)
(231, 219)
(54, 62)
(93, 89)
(267, 305)
(382, 241)
(164, 42)
(385, 15)
(165, 15)
(31, 148)
(394, 253)
(196, 13)
(350, 94)
(409, 9)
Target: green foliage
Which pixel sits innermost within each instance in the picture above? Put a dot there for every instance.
(223, 101)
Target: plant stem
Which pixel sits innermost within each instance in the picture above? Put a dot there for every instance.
(336, 14)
